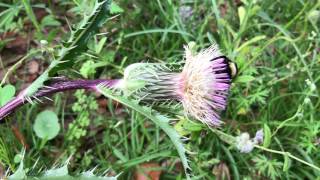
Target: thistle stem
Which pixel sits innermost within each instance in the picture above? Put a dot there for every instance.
(54, 87)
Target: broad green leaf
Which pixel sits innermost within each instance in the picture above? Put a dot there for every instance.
(18, 158)
(46, 125)
(108, 56)
(267, 135)
(159, 120)
(115, 8)
(244, 79)
(87, 68)
(192, 126)
(49, 21)
(6, 94)
(314, 16)
(179, 128)
(185, 127)
(241, 14)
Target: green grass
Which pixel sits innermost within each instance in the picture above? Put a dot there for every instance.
(276, 45)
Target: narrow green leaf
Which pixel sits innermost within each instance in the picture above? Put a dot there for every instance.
(267, 136)
(31, 15)
(251, 41)
(241, 13)
(100, 44)
(286, 163)
(119, 155)
(159, 120)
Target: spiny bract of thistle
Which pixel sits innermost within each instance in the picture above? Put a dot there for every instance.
(201, 87)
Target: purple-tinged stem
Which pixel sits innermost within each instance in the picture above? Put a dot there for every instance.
(57, 86)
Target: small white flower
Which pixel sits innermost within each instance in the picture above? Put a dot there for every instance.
(243, 143)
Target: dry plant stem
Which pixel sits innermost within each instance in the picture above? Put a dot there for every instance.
(15, 66)
(57, 86)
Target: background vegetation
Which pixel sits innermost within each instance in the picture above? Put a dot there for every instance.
(276, 45)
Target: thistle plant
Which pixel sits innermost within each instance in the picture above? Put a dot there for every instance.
(201, 87)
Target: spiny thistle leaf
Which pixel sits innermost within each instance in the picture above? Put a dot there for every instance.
(76, 44)
(160, 120)
(39, 82)
(56, 174)
(19, 174)
(79, 38)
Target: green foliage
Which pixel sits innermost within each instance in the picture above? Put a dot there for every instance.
(158, 119)
(7, 16)
(49, 20)
(115, 8)
(6, 94)
(30, 13)
(5, 154)
(268, 167)
(78, 128)
(46, 125)
(87, 69)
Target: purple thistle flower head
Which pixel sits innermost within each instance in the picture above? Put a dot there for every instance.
(202, 86)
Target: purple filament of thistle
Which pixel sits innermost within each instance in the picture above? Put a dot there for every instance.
(57, 86)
